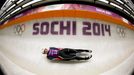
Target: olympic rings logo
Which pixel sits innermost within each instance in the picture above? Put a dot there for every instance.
(121, 31)
(19, 29)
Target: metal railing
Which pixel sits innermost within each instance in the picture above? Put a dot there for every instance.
(15, 7)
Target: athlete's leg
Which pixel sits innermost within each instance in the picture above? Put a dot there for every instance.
(70, 51)
(83, 58)
(83, 50)
(71, 54)
(67, 54)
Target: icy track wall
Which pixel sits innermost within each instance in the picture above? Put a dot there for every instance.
(108, 35)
